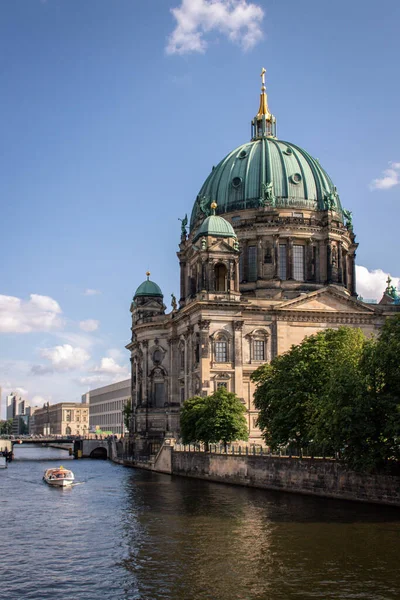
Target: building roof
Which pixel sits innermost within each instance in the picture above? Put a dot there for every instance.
(262, 171)
(216, 227)
(148, 288)
(266, 171)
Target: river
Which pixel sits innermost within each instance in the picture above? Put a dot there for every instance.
(126, 534)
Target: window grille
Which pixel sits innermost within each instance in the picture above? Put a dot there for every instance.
(241, 266)
(252, 263)
(282, 261)
(298, 263)
(222, 384)
(259, 350)
(221, 352)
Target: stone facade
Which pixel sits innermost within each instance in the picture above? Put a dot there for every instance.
(64, 418)
(279, 266)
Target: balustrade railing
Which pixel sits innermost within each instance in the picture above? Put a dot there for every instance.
(248, 450)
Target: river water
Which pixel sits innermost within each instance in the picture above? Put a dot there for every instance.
(127, 534)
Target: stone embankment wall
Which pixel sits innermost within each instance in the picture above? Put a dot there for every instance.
(306, 476)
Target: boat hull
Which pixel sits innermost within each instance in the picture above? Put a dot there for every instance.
(59, 482)
(59, 477)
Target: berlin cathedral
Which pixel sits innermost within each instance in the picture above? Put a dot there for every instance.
(267, 258)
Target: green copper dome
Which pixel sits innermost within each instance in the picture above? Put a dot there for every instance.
(266, 172)
(148, 288)
(215, 226)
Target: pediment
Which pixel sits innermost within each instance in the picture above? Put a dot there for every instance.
(150, 304)
(326, 300)
(220, 246)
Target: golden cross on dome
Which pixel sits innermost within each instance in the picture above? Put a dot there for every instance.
(263, 71)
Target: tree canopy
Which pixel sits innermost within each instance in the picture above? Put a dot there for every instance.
(337, 392)
(212, 419)
(6, 427)
(127, 412)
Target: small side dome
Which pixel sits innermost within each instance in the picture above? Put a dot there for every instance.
(215, 226)
(148, 288)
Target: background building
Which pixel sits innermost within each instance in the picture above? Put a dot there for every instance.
(106, 405)
(65, 418)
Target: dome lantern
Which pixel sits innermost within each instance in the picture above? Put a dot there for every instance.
(264, 123)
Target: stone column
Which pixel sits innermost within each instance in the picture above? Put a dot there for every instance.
(275, 245)
(238, 357)
(237, 276)
(329, 262)
(182, 265)
(344, 268)
(145, 398)
(309, 275)
(290, 258)
(245, 273)
(340, 262)
(189, 360)
(204, 362)
(353, 275)
(260, 258)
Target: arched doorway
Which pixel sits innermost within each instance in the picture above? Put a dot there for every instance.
(220, 273)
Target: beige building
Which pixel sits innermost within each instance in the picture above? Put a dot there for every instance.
(65, 418)
(279, 265)
(106, 405)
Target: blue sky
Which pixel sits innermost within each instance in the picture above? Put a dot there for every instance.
(113, 114)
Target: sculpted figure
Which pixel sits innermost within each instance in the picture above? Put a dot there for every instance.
(184, 223)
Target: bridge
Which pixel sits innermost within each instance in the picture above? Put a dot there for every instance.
(42, 440)
(82, 447)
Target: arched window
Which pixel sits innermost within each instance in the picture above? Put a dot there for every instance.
(221, 347)
(220, 273)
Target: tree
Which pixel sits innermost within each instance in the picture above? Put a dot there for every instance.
(127, 412)
(215, 418)
(292, 390)
(6, 427)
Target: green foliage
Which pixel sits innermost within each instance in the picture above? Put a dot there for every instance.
(127, 412)
(337, 392)
(6, 427)
(212, 419)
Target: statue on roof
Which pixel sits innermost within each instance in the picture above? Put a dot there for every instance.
(204, 202)
(348, 215)
(268, 198)
(391, 290)
(184, 223)
(173, 302)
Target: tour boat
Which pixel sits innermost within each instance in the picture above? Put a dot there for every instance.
(60, 477)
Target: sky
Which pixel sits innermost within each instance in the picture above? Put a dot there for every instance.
(113, 113)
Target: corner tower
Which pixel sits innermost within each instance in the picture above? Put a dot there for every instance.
(209, 261)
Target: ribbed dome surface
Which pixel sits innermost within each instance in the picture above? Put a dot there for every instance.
(261, 170)
(148, 288)
(215, 226)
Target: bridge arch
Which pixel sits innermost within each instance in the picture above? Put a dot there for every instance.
(99, 452)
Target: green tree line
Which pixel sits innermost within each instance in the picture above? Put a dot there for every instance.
(336, 393)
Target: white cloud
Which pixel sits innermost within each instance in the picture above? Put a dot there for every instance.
(62, 358)
(372, 284)
(94, 380)
(37, 401)
(116, 354)
(89, 325)
(239, 20)
(391, 177)
(40, 313)
(110, 366)
(90, 292)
